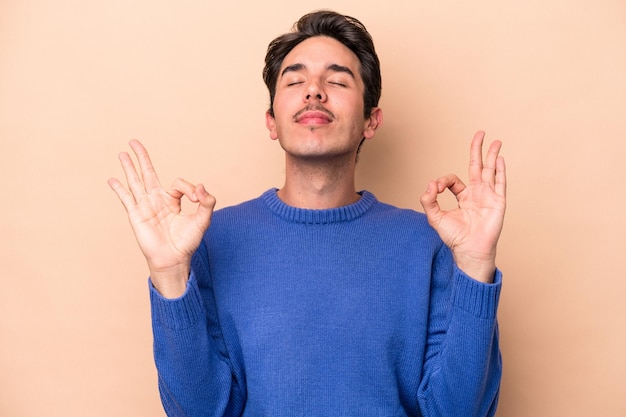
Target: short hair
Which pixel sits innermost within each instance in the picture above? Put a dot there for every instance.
(345, 29)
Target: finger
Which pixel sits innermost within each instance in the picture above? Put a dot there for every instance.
(489, 167)
(476, 157)
(132, 178)
(451, 182)
(148, 172)
(181, 188)
(205, 207)
(500, 180)
(125, 197)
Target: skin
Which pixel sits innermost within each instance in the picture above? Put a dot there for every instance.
(319, 122)
(166, 236)
(472, 230)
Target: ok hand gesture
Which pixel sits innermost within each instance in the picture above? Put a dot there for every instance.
(166, 236)
(472, 230)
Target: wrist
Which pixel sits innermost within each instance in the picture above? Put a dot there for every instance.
(478, 268)
(170, 282)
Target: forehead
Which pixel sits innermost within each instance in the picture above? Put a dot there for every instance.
(322, 51)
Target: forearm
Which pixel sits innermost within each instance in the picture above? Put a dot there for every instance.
(195, 378)
(463, 372)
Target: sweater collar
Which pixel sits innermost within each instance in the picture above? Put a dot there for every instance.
(311, 216)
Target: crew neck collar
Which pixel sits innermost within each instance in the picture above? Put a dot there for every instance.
(316, 216)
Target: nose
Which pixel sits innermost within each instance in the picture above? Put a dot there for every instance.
(314, 91)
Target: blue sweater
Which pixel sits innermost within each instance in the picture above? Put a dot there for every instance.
(353, 311)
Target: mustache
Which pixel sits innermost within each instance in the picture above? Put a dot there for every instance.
(314, 107)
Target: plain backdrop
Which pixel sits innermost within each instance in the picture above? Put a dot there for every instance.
(79, 79)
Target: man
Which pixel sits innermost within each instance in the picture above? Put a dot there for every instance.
(313, 299)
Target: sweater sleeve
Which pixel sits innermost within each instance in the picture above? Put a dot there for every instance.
(463, 365)
(195, 376)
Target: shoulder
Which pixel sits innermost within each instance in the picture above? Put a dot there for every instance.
(241, 218)
(247, 211)
(401, 224)
(403, 216)
(244, 208)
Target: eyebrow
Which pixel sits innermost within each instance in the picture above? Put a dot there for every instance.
(331, 67)
(292, 68)
(341, 68)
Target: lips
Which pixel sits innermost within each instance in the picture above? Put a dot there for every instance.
(314, 116)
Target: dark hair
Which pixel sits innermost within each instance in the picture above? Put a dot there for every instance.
(345, 29)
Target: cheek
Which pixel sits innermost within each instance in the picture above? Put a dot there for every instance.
(357, 112)
(284, 105)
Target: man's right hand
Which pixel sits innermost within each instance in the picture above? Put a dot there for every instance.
(167, 236)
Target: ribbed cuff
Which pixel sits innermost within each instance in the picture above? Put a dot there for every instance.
(477, 298)
(177, 313)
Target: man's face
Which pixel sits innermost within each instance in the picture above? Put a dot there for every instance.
(318, 106)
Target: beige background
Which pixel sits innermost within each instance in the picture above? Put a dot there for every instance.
(78, 79)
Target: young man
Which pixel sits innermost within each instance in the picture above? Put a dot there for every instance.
(316, 300)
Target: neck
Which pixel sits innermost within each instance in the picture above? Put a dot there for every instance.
(318, 185)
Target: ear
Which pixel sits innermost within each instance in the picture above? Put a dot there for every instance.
(373, 122)
(270, 123)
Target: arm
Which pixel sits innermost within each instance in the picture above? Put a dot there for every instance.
(463, 364)
(196, 373)
(462, 367)
(195, 376)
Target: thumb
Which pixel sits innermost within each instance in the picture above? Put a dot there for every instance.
(429, 202)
